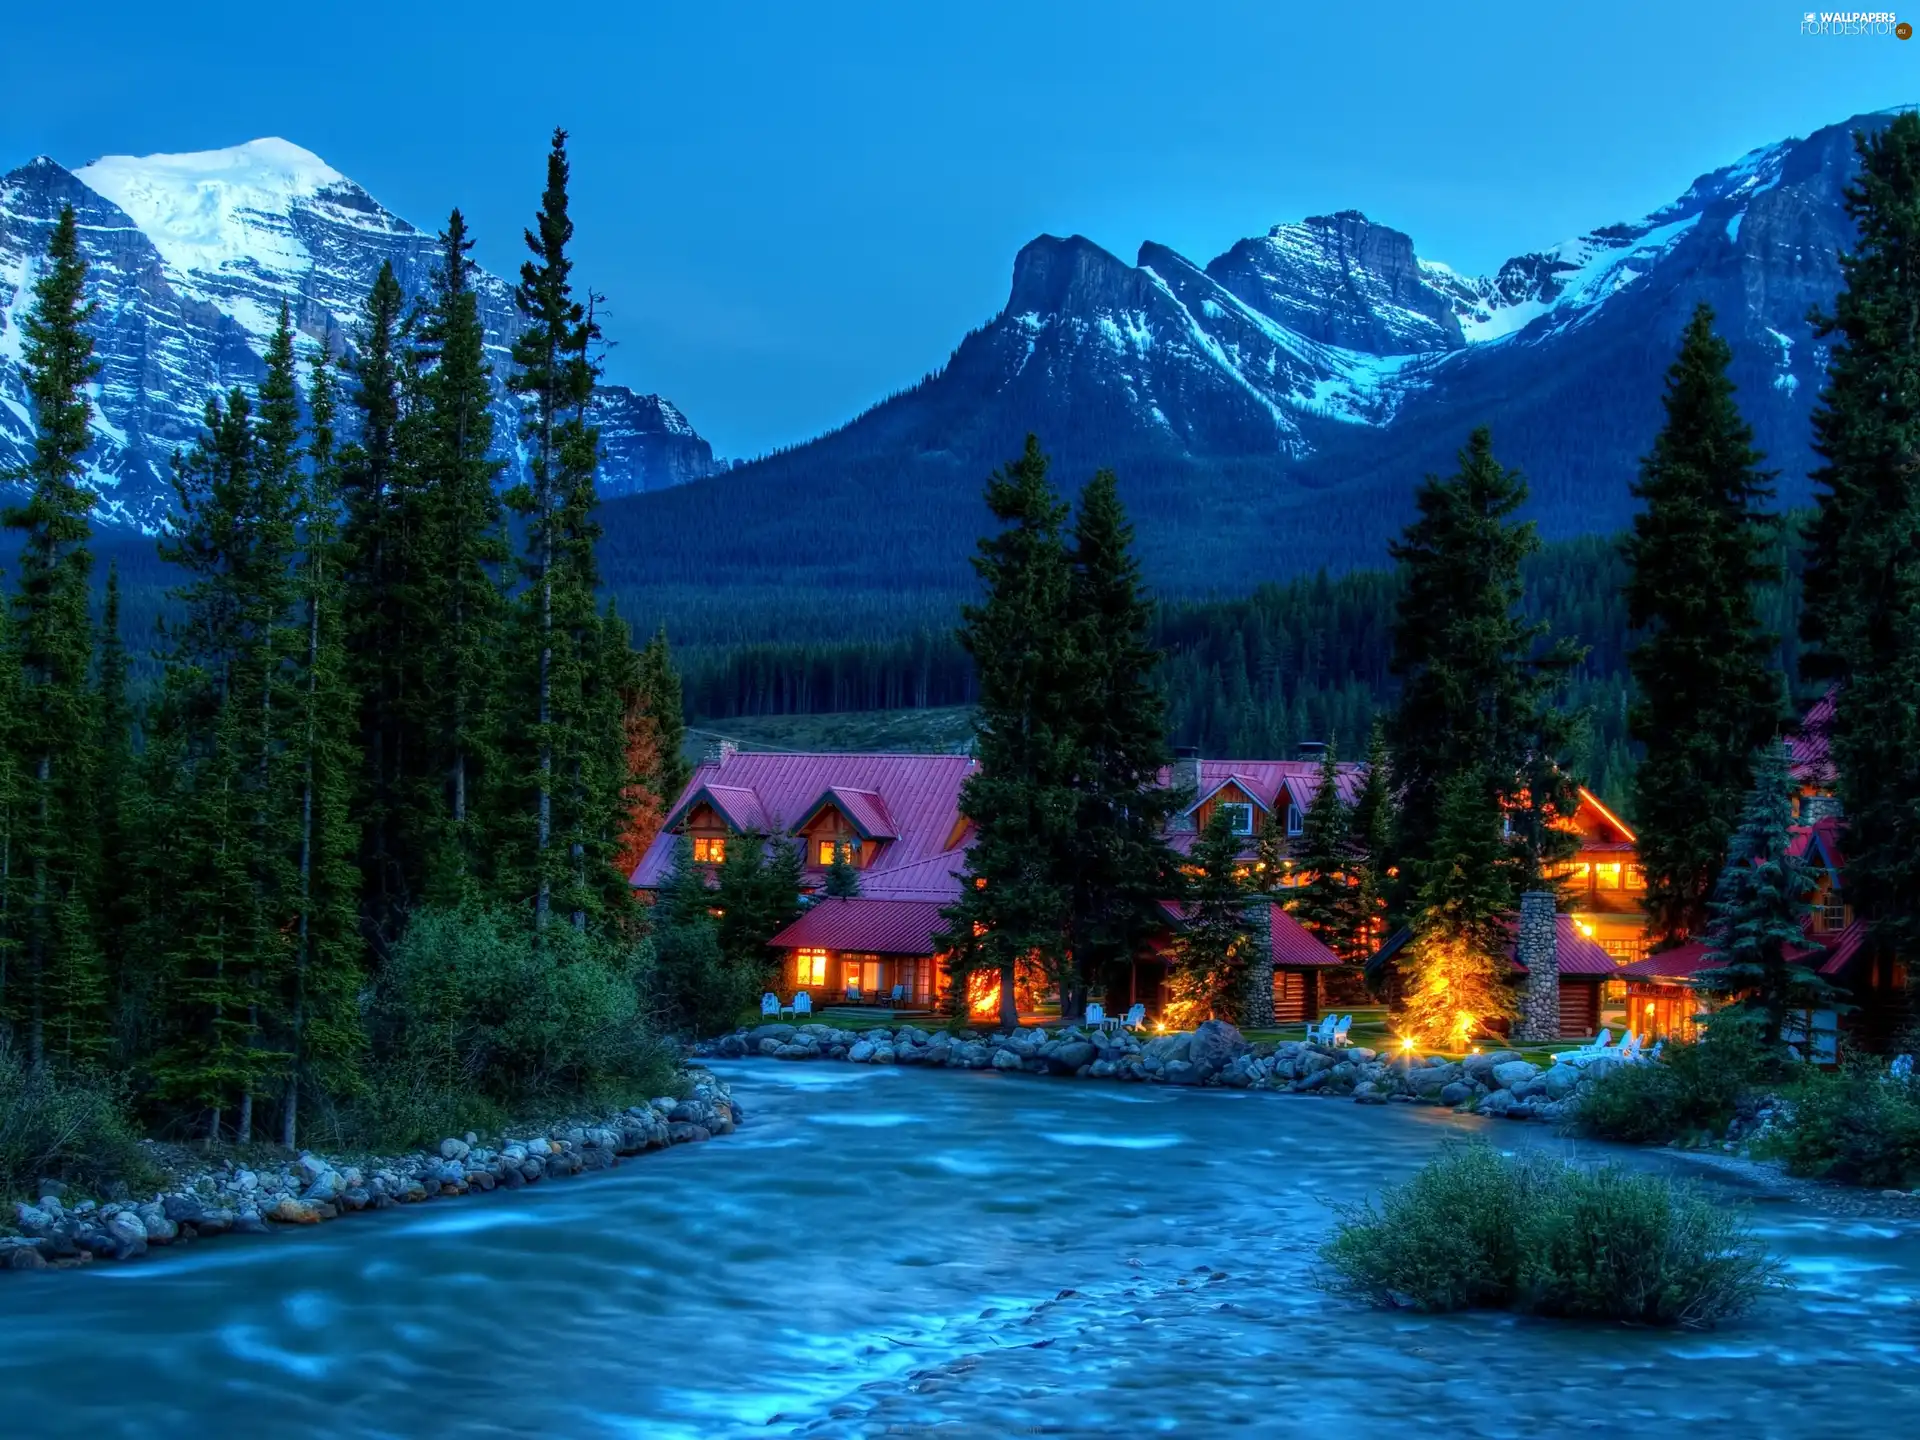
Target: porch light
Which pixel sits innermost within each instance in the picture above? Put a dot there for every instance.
(1406, 1042)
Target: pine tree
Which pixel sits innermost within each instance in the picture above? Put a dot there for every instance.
(757, 893)
(1120, 865)
(463, 550)
(1759, 911)
(127, 987)
(1708, 694)
(1208, 977)
(1457, 966)
(60, 992)
(1015, 905)
(1369, 844)
(325, 1038)
(386, 607)
(554, 379)
(1324, 900)
(664, 705)
(1475, 689)
(1862, 590)
(656, 733)
(843, 881)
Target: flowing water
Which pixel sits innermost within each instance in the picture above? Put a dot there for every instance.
(914, 1252)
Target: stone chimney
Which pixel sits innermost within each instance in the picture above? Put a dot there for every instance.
(1258, 1003)
(719, 752)
(1185, 773)
(1538, 948)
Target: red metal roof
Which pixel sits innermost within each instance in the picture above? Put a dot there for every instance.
(1808, 748)
(1268, 781)
(1834, 952)
(864, 926)
(914, 799)
(1577, 954)
(1294, 944)
(1680, 963)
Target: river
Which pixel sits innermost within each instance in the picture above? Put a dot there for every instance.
(915, 1252)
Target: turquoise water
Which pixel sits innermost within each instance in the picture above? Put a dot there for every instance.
(921, 1252)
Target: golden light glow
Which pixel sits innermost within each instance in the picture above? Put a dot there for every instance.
(1406, 1042)
(1585, 927)
(983, 993)
(1612, 819)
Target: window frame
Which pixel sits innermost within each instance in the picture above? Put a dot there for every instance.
(1242, 808)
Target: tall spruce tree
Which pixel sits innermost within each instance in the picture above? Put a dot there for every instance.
(1862, 614)
(386, 605)
(1457, 967)
(1759, 910)
(1707, 693)
(1369, 844)
(60, 992)
(1214, 949)
(1120, 865)
(1016, 904)
(463, 549)
(127, 988)
(324, 1036)
(554, 378)
(1476, 683)
(1324, 901)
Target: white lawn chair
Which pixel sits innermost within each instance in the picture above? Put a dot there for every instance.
(1592, 1050)
(770, 1004)
(802, 1004)
(1136, 1017)
(1322, 1034)
(1340, 1030)
(1096, 1016)
(1629, 1047)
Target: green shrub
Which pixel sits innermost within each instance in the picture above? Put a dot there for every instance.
(1859, 1126)
(63, 1124)
(1691, 1090)
(1476, 1230)
(470, 1003)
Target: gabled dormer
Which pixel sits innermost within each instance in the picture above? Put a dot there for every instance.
(852, 822)
(1236, 798)
(714, 815)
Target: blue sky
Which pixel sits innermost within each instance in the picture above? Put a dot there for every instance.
(798, 208)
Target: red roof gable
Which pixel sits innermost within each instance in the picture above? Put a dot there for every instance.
(914, 800)
(1294, 944)
(864, 809)
(864, 926)
(1834, 952)
(1577, 954)
(1273, 782)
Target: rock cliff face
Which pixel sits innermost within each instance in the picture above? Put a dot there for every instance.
(190, 258)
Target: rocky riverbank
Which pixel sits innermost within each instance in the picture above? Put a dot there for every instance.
(1499, 1083)
(202, 1200)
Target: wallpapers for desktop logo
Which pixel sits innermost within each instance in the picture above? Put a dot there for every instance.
(1854, 22)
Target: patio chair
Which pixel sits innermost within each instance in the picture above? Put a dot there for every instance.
(1322, 1034)
(853, 995)
(1136, 1017)
(770, 1004)
(1593, 1049)
(1096, 1018)
(1340, 1029)
(898, 997)
(802, 1004)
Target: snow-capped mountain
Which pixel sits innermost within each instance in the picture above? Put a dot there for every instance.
(190, 258)
(1274, 408)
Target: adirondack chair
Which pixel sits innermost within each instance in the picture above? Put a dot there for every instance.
(1096, 1016)
(898, 997)
(802, 1004)
(1592, 1050)
(769, 1004)
(1136, 1017)
(1322, 1034)
(1340, 1030)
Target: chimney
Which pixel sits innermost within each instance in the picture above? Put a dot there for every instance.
(1537, 946)
(719, 752)
(1185, 774)
(1311, 750)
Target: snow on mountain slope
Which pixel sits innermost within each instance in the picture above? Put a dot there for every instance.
(191, 257)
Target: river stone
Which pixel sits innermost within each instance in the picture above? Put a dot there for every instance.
(1480, 1067)
(128, 1233)
(861, 1053)
(1458, 1093)
(1509, 1073)
(682, 1132)
(160, 1230)
(1215, 1042)
(32, 1219)
(1181, 1072)
(1561, 1081)
(451, 1149)
(1068, 1056)
(248, 1222)
(25, 1257)
(1005, 1059)
(1498, 1103)
(290, 1211)
(243, 1181)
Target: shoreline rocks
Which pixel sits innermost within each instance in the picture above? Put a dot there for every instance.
(223, 1198)
(1498, 1083)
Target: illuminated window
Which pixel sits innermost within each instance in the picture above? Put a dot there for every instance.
(1636, 877)
(1606, 875)
(709, 850)
(1239, 817)
(1830, 917)
(810, 967)
(825, 850)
